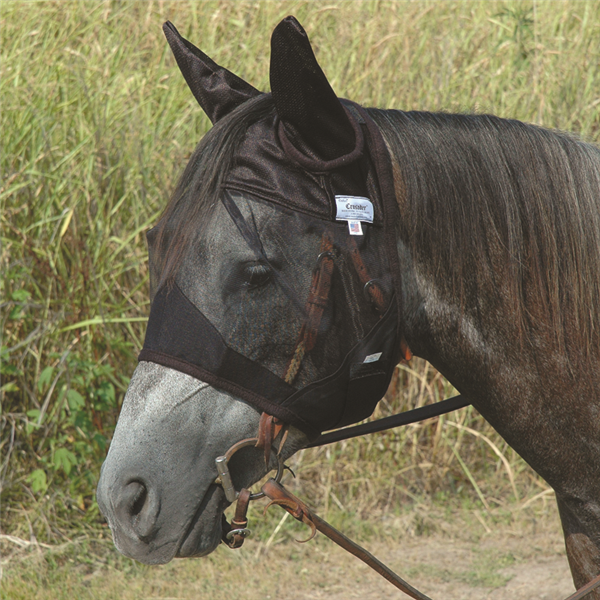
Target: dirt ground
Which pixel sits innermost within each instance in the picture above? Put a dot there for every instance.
(500, 567)
(464, 558)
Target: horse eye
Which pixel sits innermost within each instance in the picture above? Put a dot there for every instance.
(256, 274)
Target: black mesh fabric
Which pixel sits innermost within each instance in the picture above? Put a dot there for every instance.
(217, 90)
(301, 91)
(276, 302)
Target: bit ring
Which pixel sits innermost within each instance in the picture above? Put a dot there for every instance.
(224, 477)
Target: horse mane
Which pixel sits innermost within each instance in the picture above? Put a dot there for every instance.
(489, 203)
(199, 187)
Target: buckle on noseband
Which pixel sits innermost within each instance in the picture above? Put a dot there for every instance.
(245, 532)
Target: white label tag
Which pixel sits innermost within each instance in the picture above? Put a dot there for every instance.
(354, 208)
(372, 358)
(355, 228)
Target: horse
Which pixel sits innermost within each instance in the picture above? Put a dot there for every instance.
(310, 245)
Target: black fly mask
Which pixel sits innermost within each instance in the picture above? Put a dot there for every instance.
(288, 299)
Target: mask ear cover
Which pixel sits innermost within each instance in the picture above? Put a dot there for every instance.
(217, 90)
(312, 115)
(311, 148)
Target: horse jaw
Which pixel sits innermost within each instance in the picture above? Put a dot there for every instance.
(156, 488)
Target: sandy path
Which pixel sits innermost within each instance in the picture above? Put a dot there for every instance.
(500, 567)
(523, 560)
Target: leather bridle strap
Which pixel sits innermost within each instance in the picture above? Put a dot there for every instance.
(370, 285)
(583, 591)
(282, 497)
(374, 291)
(235, 533)
(318, 297)
(316, 303)
(269, 427)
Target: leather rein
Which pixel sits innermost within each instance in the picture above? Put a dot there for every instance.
(272, 429)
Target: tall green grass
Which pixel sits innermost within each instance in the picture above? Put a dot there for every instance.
(96, 125)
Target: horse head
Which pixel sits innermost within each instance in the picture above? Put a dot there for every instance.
(264, 298)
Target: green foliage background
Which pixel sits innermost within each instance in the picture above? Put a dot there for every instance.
(97, 123)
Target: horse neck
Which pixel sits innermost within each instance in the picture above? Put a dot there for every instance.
(484, 329)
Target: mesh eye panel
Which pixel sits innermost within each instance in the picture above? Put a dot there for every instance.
(283, 307)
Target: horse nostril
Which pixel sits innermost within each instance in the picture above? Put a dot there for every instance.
(139, 506)
(139, 498)
(132, 498)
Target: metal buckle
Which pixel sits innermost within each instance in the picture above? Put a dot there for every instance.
(325, 254)
(243, 532)
(371, 283)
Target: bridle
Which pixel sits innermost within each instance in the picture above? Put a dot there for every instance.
(272, 429)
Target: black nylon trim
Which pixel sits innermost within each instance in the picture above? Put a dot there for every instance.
(239, 391)
(257, 193)
(385, 179)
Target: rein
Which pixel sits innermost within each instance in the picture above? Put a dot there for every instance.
(404, 418)
(270, 428)
(294, 506)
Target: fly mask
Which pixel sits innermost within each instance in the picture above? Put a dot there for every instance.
(307, 320)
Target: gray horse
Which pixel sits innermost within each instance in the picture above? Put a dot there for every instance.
(260, 303)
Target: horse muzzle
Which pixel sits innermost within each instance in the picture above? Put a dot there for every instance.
(156, 488)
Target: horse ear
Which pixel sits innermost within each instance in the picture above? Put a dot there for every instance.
(304, 100)
(217, 90)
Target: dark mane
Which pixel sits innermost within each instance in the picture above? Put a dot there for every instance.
(489, 204)
(199, 186)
